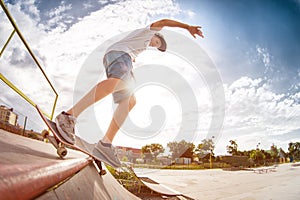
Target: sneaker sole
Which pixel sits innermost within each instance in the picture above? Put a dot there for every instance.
(101, 156)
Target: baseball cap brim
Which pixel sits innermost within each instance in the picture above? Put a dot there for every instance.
(163, 46)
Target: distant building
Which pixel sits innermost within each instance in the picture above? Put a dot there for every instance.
(8, 122)
(8, 116)
(130, 153)
(183, 161)
(282, 156)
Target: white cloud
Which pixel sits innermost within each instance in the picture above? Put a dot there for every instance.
(66, 51)
(264, 55)
(58, 16)
(245, 82)
(87, 5)
(256, 114)
(62, 51)
(29, 8)
(103, 1)
(190, 14)
(59, 10)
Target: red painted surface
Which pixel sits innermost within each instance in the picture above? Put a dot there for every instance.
(26, 181)
(29, 168)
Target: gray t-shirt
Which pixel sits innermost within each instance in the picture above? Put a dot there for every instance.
(134, 43)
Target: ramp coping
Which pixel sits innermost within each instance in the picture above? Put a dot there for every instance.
(27, 181)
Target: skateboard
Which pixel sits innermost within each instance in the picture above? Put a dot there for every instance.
(80, 144)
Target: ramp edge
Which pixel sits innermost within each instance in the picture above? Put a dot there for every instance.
(27, 181)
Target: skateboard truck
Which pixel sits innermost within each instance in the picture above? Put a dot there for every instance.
(101, 171)
(60, 147)
(62, 151)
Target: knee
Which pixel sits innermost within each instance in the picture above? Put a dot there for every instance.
(132, 102)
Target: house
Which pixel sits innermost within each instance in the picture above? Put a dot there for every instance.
(183, 161)
(129, 154)
(8, 116)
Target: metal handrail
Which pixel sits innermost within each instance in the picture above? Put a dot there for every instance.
(8, 40)
(16, 29)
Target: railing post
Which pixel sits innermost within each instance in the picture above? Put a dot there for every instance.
(8, 40)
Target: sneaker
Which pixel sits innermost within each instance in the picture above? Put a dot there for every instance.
(65, 124)
(107, 152)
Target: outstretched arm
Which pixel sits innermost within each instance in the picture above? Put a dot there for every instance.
(194, 30)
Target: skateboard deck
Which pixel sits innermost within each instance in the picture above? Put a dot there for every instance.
(80, 144)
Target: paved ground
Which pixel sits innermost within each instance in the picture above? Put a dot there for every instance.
(284, 183)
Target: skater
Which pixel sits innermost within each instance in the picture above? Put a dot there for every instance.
(118, 63)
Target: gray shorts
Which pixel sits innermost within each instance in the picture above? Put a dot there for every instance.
(118, 64)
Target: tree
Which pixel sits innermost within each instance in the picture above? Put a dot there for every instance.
(206, 147)
(152, 151)
(257, 156)
(294, 150)
(181, 149)
(156, 149)
(274, 152)
(233, 148)
(244, 153)
(267, 154)
(201, 153)
(146, 151)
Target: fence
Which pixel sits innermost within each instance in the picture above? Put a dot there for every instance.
(8, 82)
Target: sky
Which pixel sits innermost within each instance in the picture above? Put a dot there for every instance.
(253, 46)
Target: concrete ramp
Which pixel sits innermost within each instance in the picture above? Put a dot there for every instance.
(87, 184)
(159, 188)
(30, 169)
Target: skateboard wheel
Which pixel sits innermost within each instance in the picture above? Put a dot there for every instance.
(62, 151)
(45, 133)
(102, 172)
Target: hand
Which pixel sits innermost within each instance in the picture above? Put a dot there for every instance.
(195, 30)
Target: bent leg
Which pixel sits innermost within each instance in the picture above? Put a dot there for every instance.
(120, 114)
(98, 92)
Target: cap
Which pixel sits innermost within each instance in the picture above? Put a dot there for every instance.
(163, 46)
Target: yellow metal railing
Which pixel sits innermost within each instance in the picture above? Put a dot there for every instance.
(6, 81)
(8, 40)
